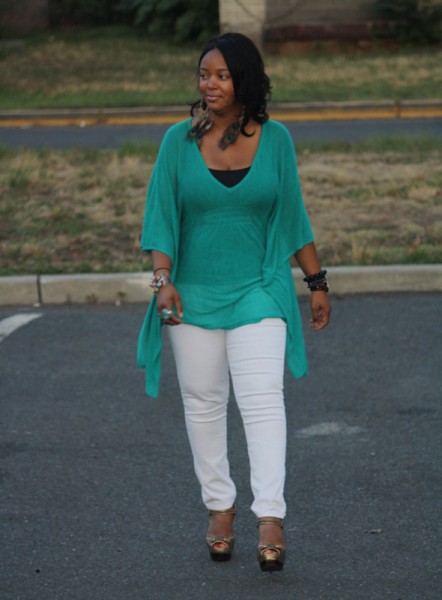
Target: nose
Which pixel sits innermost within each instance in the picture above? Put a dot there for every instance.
(211, 83)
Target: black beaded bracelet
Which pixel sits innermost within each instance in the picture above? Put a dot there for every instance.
(320, 286)
(315, 277)
(317, 282)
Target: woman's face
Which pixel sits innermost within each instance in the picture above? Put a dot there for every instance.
(215, 83)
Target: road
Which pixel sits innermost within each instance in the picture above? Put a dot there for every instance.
(99, 500)
(114, 136)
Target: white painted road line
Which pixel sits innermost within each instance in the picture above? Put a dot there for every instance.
(328, 429)
(10, 324)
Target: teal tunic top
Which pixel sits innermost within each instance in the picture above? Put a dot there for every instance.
(229, 246)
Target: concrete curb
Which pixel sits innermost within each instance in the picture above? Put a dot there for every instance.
(118, 288)
(291, 111)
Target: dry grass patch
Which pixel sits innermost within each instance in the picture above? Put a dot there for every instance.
(67, 212)
(359, 76)
(371, 208)
(82, 211)
(117, 68)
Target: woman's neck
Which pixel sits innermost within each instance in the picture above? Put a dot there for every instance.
(220, 122)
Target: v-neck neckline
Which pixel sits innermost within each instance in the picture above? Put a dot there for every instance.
(244, 179)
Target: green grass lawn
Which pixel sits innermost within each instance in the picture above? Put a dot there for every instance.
(115, 67)
(377, 202)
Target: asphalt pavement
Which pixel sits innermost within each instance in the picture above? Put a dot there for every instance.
(115, 136)
(306, 121)
(99, 499)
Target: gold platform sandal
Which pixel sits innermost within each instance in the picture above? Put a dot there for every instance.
(220, 546)
(271, 557)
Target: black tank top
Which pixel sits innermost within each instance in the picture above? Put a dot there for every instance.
(230, 178)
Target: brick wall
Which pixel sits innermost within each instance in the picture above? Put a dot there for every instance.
(311, 12)
(253, 17)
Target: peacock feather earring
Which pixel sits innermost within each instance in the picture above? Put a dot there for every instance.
(202, 124)
(232, 132)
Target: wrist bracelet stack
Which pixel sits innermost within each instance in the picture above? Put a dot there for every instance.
(159, 281)
(317, 282)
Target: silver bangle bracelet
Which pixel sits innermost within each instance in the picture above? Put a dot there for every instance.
(159, 281)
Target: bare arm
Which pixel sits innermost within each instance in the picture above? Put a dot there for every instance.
(167, 296)
(307, 259)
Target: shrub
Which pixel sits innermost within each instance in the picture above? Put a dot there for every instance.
(179, 19)
(411, 21)
(82, 12)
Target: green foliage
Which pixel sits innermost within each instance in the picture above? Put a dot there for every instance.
(82, 12)
(411, 21)
(181, 20)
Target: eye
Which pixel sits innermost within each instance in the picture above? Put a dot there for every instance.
(203, 76)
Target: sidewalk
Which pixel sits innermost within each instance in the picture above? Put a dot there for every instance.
(293, 111)
(118, 288)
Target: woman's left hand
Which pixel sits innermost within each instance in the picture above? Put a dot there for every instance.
(321, 309)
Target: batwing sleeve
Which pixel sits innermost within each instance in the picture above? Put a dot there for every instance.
(288, 230)
(289, 226)
(160, 226)
(160, 232)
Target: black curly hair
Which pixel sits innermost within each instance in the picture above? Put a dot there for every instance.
(250, 82)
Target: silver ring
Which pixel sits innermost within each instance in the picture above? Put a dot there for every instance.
(165, 314)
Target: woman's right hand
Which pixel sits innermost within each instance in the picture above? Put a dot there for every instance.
(167, 298)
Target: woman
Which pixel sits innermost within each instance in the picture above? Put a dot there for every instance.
(224, 214)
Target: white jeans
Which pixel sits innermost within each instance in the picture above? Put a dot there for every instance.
(254, 355)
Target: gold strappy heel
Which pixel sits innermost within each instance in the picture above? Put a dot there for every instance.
(271, 557)
(221, 547)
